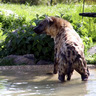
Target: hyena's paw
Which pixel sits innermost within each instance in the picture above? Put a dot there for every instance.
(61, 78)
(84, 77)
(55, 71)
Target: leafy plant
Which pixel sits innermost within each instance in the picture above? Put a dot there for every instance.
(23, 41)
(7, 62)
(91, 59)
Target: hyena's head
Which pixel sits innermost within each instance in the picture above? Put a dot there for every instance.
(51, 26)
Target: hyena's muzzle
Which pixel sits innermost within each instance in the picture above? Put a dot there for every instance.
(40, 29)
(43, 26)
(37, 30)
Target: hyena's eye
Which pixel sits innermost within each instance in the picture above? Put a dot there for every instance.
(51, 23)
(41, 25)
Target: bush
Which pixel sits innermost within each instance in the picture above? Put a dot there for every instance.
(23, 41)
(91, 59)
(11, 22)
(7, 62)
(29, 2)
(39, 2)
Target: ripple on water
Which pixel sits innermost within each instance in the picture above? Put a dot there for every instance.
(48, 87)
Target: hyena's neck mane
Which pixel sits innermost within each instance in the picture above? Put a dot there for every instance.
(60, 25)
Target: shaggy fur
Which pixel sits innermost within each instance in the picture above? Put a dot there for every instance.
(69, 49)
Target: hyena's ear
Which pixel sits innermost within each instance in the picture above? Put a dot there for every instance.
(49, 19)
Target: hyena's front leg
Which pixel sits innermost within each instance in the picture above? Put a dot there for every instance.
(55, 66)
(55, 61)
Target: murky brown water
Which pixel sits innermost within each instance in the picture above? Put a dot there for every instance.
(33, 81)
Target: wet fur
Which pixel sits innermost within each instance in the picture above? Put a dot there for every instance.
(69, 48)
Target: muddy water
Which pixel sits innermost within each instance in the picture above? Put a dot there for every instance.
(33, 81)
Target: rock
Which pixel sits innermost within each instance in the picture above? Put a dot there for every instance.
(29, 56)
(92, 50)
(10, 57)
(27, 59)
(43, 62)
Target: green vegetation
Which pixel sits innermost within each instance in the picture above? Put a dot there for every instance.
(91, 59)
(6, 62)
(17, 23)
(44, 2)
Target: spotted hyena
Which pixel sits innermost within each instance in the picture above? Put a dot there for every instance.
(69, 49)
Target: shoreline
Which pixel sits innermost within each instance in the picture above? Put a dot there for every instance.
(48, 67)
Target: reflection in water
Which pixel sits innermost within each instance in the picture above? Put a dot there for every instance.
(91, 84)
(34, 83)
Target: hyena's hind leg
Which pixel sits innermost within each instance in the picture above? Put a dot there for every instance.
(61, 72)
(82, 69)
(61, 77)
(70, 70)
(69, 74)
(85, 64)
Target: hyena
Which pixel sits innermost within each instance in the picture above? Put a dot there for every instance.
(69, 48)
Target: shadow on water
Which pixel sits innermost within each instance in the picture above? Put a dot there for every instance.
(33, 81)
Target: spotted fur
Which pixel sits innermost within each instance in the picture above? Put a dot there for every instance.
(69, 48)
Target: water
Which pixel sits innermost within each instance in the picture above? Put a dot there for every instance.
(33, 81)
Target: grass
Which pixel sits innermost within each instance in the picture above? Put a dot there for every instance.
(30, 11)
